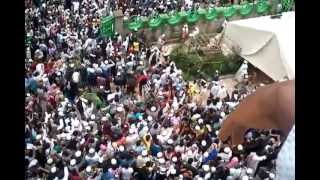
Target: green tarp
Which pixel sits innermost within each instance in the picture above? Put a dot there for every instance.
(211, 14)
(192, 17)
(155, 22)
(229, 11)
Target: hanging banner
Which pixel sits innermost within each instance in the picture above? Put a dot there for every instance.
(211, 14)
(192, 17)
(155, 22)
(229, 11)
(135, 23)
(246, 9)
(262, 7)
(202, 12)
(107, 26)
(174, 19)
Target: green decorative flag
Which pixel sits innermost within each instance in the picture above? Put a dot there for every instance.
(201, 12)
(262, 7)
(287, 5)
(211, 14)
(246, 9)
(192, 17)
(229, 12)
(107, 26)
(135, 23)
(155, 22)
(164, 17)
(174, 19)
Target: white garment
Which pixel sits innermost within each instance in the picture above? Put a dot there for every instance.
(286, 158)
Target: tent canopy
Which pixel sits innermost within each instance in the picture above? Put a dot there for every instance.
(268, 44)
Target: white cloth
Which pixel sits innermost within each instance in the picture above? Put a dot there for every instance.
(286, 158)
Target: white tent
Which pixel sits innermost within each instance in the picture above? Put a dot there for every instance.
(268, 44)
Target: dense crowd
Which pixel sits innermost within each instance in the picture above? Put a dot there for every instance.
(113, 108)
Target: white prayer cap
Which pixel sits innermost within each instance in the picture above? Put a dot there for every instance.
(170, 141)
(217, 132)
(131, 131)
(29, 146)
(153, 108)
(121, 148)
(38, 137)
(245, 178)
(104, 118)
(240, 147)
(50, 161)
(222, 114)
(144, 153)
(91, 151)
(232, 171)
(213, 169)
(68, 137)
(92, 117)
(196, 116)
(101, 159)
(118, 73)
(88, 169)
(173, 171)
(203, 142)
(197, 127)
(149, 118)
(227, 150)
(206, 154)
(53, 169)
(271, 176)
(113, 161)
(200, 121)
(162, 161)
(159, 155)
(72, 162)
(174, 159)
(206, 168)
(33, 163)
(119, 109)
(130, 170)
(249, 171)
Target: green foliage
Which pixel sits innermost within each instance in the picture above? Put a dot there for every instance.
(195, 66)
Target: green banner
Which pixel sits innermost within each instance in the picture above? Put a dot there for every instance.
(287, 5)
(246, 9)
(262, 7)
(192, 17)
(174, 19)
(229, 11)
(155, 22)
(107, 26)
(211, 14)
(135, 23)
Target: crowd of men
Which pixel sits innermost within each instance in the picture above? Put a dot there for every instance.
(113, 108)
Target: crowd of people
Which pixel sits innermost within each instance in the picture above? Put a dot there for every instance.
(114, 108)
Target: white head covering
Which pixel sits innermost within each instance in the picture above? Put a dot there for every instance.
(72, 162)
(162, 161)
(78, 154)
(121, 148)
(240, 147)
(203, 142)
(153, 109)
(50, 161)
(174, 159)
(53, 169)
(144, 153)
(206, 168)
(159, 155)
(113, 161)
(91, 151)
(170, 141)
(227, 150)
(249, 171)
(88, 169)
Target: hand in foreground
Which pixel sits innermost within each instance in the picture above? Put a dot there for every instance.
(269, 107)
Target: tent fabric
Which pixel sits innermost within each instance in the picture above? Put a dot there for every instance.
(268, 44)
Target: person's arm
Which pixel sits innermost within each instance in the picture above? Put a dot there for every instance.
(269, 107)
